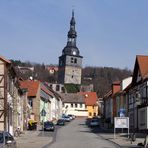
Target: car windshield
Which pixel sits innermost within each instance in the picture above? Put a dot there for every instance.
(1, 138)
(48, 123)
(59, 120)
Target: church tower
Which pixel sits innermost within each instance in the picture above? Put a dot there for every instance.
(70, 62)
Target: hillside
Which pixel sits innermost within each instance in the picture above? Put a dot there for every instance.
(103, 77)
(100, 77)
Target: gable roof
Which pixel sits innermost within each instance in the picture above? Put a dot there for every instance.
(141, 66)
(32, 87)
(90, 98)
(5, 60)
(46, 90)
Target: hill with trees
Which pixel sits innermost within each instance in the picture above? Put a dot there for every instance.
(103, 77)
(100, 77)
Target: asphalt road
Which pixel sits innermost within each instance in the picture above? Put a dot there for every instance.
(77, 135)
(73, 135)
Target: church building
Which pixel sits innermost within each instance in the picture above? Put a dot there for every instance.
(70, 62)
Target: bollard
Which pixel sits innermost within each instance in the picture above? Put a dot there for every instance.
(132, 137)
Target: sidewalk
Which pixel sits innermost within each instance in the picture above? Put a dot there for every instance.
(121, 139)
(34, 139)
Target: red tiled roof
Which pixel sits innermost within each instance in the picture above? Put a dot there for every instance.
(32, 87)
(143, 65)
(90, 98)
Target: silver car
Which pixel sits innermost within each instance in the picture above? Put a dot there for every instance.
(7, 140)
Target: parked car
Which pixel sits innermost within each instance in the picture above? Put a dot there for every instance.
(72, 116)
(7, 140)
(94, 122)
(49, 126)
(87, 122)
(61, 122)
(66, 118)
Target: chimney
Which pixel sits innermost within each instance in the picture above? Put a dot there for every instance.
(116, 87)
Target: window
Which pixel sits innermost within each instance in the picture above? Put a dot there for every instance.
(1, 138)
(72, 60)
(63, 89)
(57, 87)
(71, 104)
(30, 102)
(80, 105)
(76, 105)
(75, 61)
(61, 63)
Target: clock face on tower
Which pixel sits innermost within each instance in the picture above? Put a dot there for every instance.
(74, 52)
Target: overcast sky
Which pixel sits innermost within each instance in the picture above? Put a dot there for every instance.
(110, 32)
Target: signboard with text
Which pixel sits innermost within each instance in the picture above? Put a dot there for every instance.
(121, 122)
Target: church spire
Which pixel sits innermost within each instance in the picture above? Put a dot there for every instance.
(72, 22)
(72, 34)
(71, 47)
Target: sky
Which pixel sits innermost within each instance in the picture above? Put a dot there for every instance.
(110, 32)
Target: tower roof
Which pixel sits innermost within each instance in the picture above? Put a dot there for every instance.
(72, 22)
(71, 48)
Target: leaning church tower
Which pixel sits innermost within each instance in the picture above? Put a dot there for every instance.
(70, 62)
